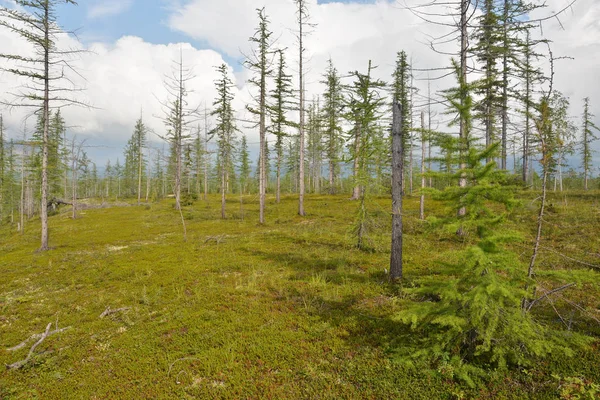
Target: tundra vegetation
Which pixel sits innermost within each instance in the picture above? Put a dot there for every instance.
(330, 269)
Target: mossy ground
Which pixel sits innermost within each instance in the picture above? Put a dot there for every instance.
(285, 311)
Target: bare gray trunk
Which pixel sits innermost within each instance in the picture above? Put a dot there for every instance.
(301, 84)
(397, 172)
(463, 70)
(423, 144)
(357, 135)
(505, 86)
(46, 115)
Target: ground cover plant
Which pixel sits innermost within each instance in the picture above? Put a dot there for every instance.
(289, 309)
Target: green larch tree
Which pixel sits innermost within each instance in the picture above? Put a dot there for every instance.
(225, 129)
(281, 105)
(333, 101)
(364, 103)
(588, 136)
(261, 65)
(244, 166)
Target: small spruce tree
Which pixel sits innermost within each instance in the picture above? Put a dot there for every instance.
(474, 316)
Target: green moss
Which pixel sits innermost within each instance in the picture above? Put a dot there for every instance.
(286, 310)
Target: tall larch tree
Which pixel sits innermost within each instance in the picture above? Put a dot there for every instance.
(177, 117)
(588, 136)
(225, 129)
(36, 22)
(2, 169)
(139, 138)
(244, 165)
(401, 93)
(303, 26)
(261, 64)
(487, 51)
(56, 166)
(281, 105)
(333, 101)
(530, 75)
(512, 16)
(314, 146)
(364, 102)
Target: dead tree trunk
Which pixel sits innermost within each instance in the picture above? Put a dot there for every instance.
(422, 202)
(357, 138)
(397, 172)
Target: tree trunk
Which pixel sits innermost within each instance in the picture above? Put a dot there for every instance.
(74, 180)
(422, 202)
(397, 172)
(205, 152)
(301, 75)
(263, 151)
(357, 136)
(505, 85)
(429, 130)
(527, 111)
(464, 6)
(331, 177)
(139, 199)
(278, 190)
(46, 115)
(223, 189)
(22, 208)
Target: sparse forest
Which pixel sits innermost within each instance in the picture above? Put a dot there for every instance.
(373, 238)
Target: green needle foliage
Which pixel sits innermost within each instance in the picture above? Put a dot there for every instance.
(364, 103)
(472, 317)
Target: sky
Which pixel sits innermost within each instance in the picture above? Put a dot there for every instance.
(132, 45)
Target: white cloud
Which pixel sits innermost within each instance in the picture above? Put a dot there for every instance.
(353, 33)
(127, 75)
(121, 79)
(105, 8)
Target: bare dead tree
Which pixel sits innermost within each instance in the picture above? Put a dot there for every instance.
(303, 27)
(423, 146)
(45, 73)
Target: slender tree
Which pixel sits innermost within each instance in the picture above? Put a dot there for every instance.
(260, 63)
(401, 92)
(333, 101)
(303, 25)
(3, 162)
(488, 51)
(565, 132)
(178, 115)
(244, 165)
(314, 146)
(140, 142)
(587, 138)
(424, 135)
(36, 22)
(364, 104)
(397, 189)
(135, 161)
(78, 163)
(281, 104)
(530, 76)
(225, 129)
(56, 167)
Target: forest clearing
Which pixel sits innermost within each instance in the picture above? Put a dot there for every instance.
(300, 199)
(287, 310)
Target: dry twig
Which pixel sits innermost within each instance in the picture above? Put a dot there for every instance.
(22, 363)
(110, 311)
